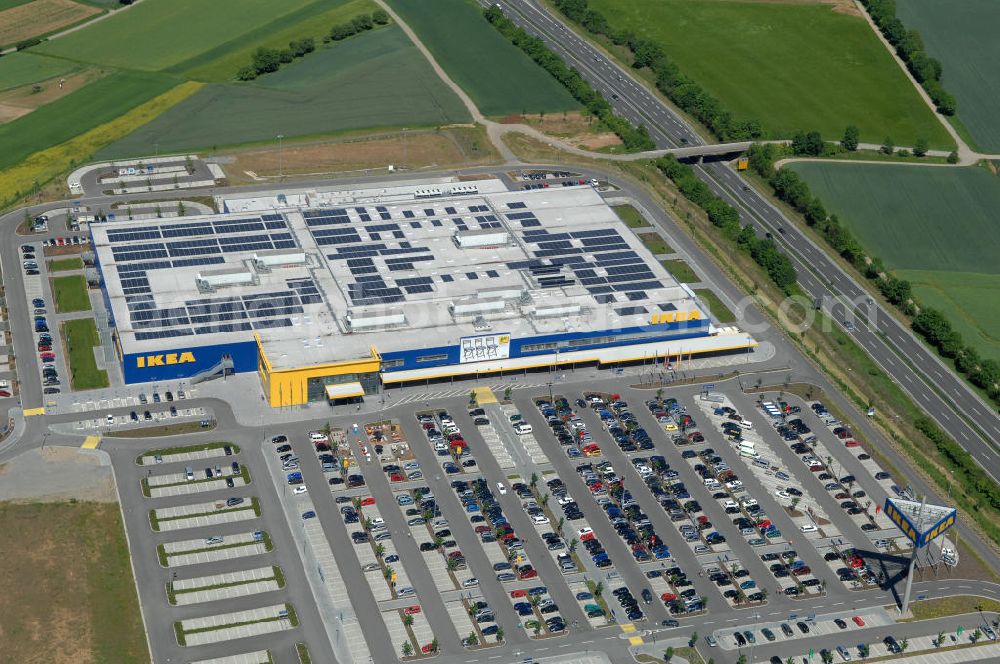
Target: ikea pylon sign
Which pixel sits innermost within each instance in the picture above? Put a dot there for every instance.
(944, 518)
(164, 359)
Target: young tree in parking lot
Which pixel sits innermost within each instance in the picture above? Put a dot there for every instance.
(904, 644)
(407, 649)
(559, 526)
(472, 398)
(827, 657)
(953, 157)
(795, 502)
(452, 564)
(434, 645)
(693, 639)
(668, 654)
(544, 500)
(472, 639)
(507, 392)
(864, 650)
(975, 636)
(438, 541)
(790, 660)
(572, 545)
(407, 620)
(850, 139)
(939, 640)
(181, 211)
(599, 589)
(742, 659)
(379, 550)
(368, 523)
(327, 430)
(388, 571)
(499, 634)
(534, 480)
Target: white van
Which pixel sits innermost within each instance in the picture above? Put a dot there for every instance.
(746, 424)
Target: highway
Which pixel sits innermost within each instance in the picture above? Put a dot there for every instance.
(914, 367)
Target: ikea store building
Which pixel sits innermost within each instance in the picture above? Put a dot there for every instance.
(328, 295)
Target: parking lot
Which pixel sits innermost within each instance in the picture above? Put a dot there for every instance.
(216, 570)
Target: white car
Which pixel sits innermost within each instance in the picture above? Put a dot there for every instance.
(539, 519)
(808, 528)
(522, 428)
(781, 494)
(470, 583)
(502, 488)
(299, 489)
(110, 419)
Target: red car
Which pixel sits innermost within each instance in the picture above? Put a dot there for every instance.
(427, 648)
(527, 573)
(412, 610)
(858, 621)
(852, 443)
(367, 501)
(668, 597)
(47, 355)
(4, 393)
(396, 477)
(60, 241)
(42, 347)
(519, 593)
(483, 529)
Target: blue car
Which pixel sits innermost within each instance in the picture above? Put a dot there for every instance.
(309, 515)
(471, 507)
(404, 500)
(599, 557)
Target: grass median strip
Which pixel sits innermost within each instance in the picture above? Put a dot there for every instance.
(182, 633)
(178, 429)
(681, 271)
(173, 592)
(952, 606)
(632, 217)
(63, 264)
(164, 557)
(303, 652)
(71, 293)
(720, 312)
(81, 337)
(655, 243)
(185, 449)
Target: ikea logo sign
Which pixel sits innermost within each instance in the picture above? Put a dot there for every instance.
(144, 361)
(674, 317)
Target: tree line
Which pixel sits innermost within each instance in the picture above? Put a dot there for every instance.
(910, 47)
(635, 138)
(777, 265)
(932, 325)
(682, 90)
(265, 60)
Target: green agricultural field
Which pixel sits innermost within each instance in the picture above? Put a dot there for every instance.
(158, 34)
(962, 35)
(935, 226)
(80, 336)
(499, 78)
(314, 20)
(792, 66)
(92, 105)
(71, 293)
(377, 79)
(970, 300)
(18, 69)
(10, 4)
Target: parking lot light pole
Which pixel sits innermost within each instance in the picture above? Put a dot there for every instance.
(280, 169)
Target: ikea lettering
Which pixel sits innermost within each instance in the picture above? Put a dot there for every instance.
(162, 360)
(674, 317)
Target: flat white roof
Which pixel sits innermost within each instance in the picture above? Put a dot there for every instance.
(388, 260)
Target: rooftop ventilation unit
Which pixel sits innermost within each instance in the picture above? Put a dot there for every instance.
(557, 310)
(464, 189)
(230, 276)
(278, 257)
(481, 239)
(361, 321)
(468, 307)
(427, 193)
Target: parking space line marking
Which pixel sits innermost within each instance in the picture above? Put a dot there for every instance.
(91, 442)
